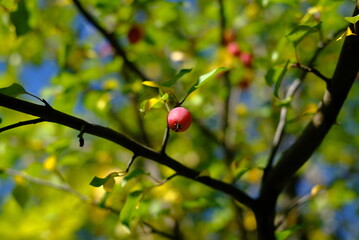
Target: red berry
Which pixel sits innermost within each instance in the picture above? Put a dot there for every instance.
(135, 34)
(246, 59)
(179, 119)
(233, 48)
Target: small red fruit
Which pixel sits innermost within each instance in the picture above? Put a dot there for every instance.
(179, 119)
(246, 59)
(233, 48)
(135, 34)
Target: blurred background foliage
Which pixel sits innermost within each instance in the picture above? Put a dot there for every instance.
(55, 53)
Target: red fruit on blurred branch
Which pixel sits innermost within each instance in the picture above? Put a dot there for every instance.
(246, 59)
(135, 34)
(233, 48)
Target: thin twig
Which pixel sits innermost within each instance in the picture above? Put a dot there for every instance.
(111, 38)
(39, 181)
(312, 70)
(23, 123)
(165, 140)
(130, 163)
(163, 181)
(81, 136)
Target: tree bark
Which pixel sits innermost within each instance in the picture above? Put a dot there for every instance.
(302, 149)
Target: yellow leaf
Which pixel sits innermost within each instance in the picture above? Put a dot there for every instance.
(254, 175)
(249, 221)
(50, 163)
(151, 84)
(103, 102)
(151, 103)
(19, 180)
(348, 32)
(316, 189)
(110, 84)
(241, 109)
(310, 109)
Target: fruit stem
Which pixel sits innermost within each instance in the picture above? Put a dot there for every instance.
(165, 140)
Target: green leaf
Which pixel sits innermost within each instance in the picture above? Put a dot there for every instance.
(133, 174)
(130, 208)
(109, 184)
(14, 90)
(240, 172)
(284, 102)
(21, 194)
(8, 4)
(174, 80)
(198, 203)
(352, 20)
(282, 235)
(300, 32)
(279, 78)
(98, 182)
(20, 18)
(204, 78)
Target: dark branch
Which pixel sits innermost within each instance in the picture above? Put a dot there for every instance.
(130, 163)
(81, 136)
(312, 70)
(299, 153)
(55, 116)
(165, 140)
(302, 149)
(111, 38)
(279, 133)
(23, 123)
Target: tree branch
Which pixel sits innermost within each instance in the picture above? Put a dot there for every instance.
(305, 145)
(312, 70)
(323, 120)
(111, 38)
(23, 123)
(62, 187)
(279, 133)
(55, 116)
